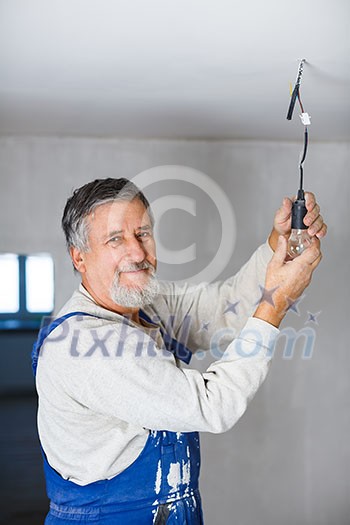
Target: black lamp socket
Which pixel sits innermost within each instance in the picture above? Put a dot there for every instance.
(298, 213)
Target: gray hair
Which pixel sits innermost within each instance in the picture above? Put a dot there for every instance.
(85, 199)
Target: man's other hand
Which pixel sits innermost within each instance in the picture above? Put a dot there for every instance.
(313, 220)
(286, 280)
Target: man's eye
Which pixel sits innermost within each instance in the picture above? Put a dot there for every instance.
(144, 235)
(114, 239)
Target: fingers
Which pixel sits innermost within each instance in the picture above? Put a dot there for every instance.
(322, 232)
(283, 213)
(312, 255)
(316, 262)
(282, 218)
(312, 215)
(289, 279)
(280, 252)
(310, 200)
(286, 209)
(315, 226)
(287, 204)
(313, 219)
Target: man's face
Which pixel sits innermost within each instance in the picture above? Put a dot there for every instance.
(119, 266)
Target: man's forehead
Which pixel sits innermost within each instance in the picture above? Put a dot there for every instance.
(120, 211)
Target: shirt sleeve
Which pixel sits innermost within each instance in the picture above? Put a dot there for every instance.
(140, 384)
(195, 316)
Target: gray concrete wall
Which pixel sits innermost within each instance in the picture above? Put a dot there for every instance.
(287, 460)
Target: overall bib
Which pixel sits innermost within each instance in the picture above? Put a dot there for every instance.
(159, 487)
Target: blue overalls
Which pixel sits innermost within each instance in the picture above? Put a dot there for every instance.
(159, 487)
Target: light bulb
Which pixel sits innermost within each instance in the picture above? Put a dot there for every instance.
(299, 239)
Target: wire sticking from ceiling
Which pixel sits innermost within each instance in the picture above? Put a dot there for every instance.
(305, 119)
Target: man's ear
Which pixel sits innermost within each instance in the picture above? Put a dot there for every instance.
(78, 259)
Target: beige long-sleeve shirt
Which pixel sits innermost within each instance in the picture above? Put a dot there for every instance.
(104, 381)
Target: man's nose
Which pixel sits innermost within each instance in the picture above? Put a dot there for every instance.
(135, 250)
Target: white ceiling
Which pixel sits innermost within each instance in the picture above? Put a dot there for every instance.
(214, 69)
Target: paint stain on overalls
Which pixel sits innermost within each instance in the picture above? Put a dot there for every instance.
(159, 487)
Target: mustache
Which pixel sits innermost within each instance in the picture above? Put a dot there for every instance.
(133, 267)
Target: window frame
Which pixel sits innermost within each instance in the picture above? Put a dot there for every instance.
(23, 319)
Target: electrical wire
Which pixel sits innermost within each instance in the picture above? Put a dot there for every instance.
(300, 103)
(294, 97)
(296, 89)
(306, 140)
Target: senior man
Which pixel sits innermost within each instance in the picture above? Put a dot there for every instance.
(119, 414)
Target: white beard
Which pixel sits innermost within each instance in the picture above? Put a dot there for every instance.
(135, 297)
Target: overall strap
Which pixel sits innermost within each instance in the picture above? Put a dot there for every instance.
(172, 345)
(175, 347)
(44, 332)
